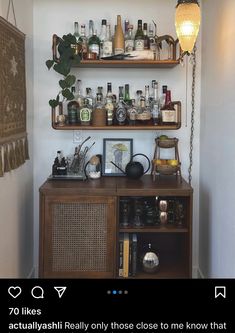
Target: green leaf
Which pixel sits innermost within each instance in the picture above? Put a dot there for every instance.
(49, 63)
(62, 68)
(69, 38)
(67, 94)
(63, 84)
(70, 80)
(53, 103)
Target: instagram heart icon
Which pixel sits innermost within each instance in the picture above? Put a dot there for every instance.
(14, 291)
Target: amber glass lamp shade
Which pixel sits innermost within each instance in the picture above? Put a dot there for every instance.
(187, 23)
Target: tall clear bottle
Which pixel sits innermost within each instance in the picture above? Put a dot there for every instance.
(129, 39)
(109, 105)
(119, 42)
(155, 109)
(139, 37)
(83, 39)
(102, 36)
(108, 43)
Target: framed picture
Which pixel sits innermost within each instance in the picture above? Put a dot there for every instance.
(119, 152)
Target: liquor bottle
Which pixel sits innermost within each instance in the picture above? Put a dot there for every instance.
(138, 100)
(78, 95)
(102, 36)
(56, 163)
(132, 112)
(89, 97)
(73, 108)
(82, 39)
(109, 105)
(91, 29)
(76, 31)
(126, 28)
(152, 41)
(146, 38)
(129, 40)
(168, 112)
(94, 44)
(121, 109)
(119, 44)
(100, 93)
(163, 96)
(127, 99)
(77, 36)
(108, 43)
(147, 103)
(155, 105)
(139, 37)
(99, 112)
(85, 113)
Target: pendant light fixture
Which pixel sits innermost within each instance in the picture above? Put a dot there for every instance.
(187, 23)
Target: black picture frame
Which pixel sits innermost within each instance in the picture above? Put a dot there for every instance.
(118, 151)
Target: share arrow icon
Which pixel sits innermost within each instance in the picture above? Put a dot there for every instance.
(60, 290)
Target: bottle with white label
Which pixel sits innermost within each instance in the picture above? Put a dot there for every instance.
(129, 39)
(119, 42)
(108, 43)
(139, 37)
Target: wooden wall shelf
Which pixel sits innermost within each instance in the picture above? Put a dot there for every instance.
(128, 63)
(147, 125)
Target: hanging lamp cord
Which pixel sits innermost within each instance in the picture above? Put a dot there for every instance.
(11, 5)
(193, 59)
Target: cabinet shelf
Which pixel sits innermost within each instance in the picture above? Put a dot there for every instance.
(155, 229)
(128, 63)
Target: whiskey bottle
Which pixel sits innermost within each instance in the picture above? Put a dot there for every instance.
(85, 113)
(99, 112)
(119, 44)
(121, 109)
(73, 108)
(108, 43)
(146, 38)
(94, 44)
(168, 112)
(129, 39)
(139, 37)
(109, 104)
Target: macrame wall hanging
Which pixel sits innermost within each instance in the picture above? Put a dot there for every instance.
(13, 136)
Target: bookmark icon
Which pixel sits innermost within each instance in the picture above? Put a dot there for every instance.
(60, 290)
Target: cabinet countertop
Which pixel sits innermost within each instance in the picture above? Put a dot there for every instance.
(121, 186)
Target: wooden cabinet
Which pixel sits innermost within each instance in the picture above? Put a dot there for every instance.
(79, 227)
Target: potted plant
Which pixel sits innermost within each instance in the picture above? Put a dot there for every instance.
(69, 55)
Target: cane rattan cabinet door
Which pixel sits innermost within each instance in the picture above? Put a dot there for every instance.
(77, 236)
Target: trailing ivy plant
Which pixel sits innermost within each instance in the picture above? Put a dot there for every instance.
(68, 57)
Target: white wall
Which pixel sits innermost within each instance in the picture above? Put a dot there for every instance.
(58, 17)
(16, 188)
(217, 167)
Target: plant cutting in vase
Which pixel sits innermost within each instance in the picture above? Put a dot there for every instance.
(69, 56)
